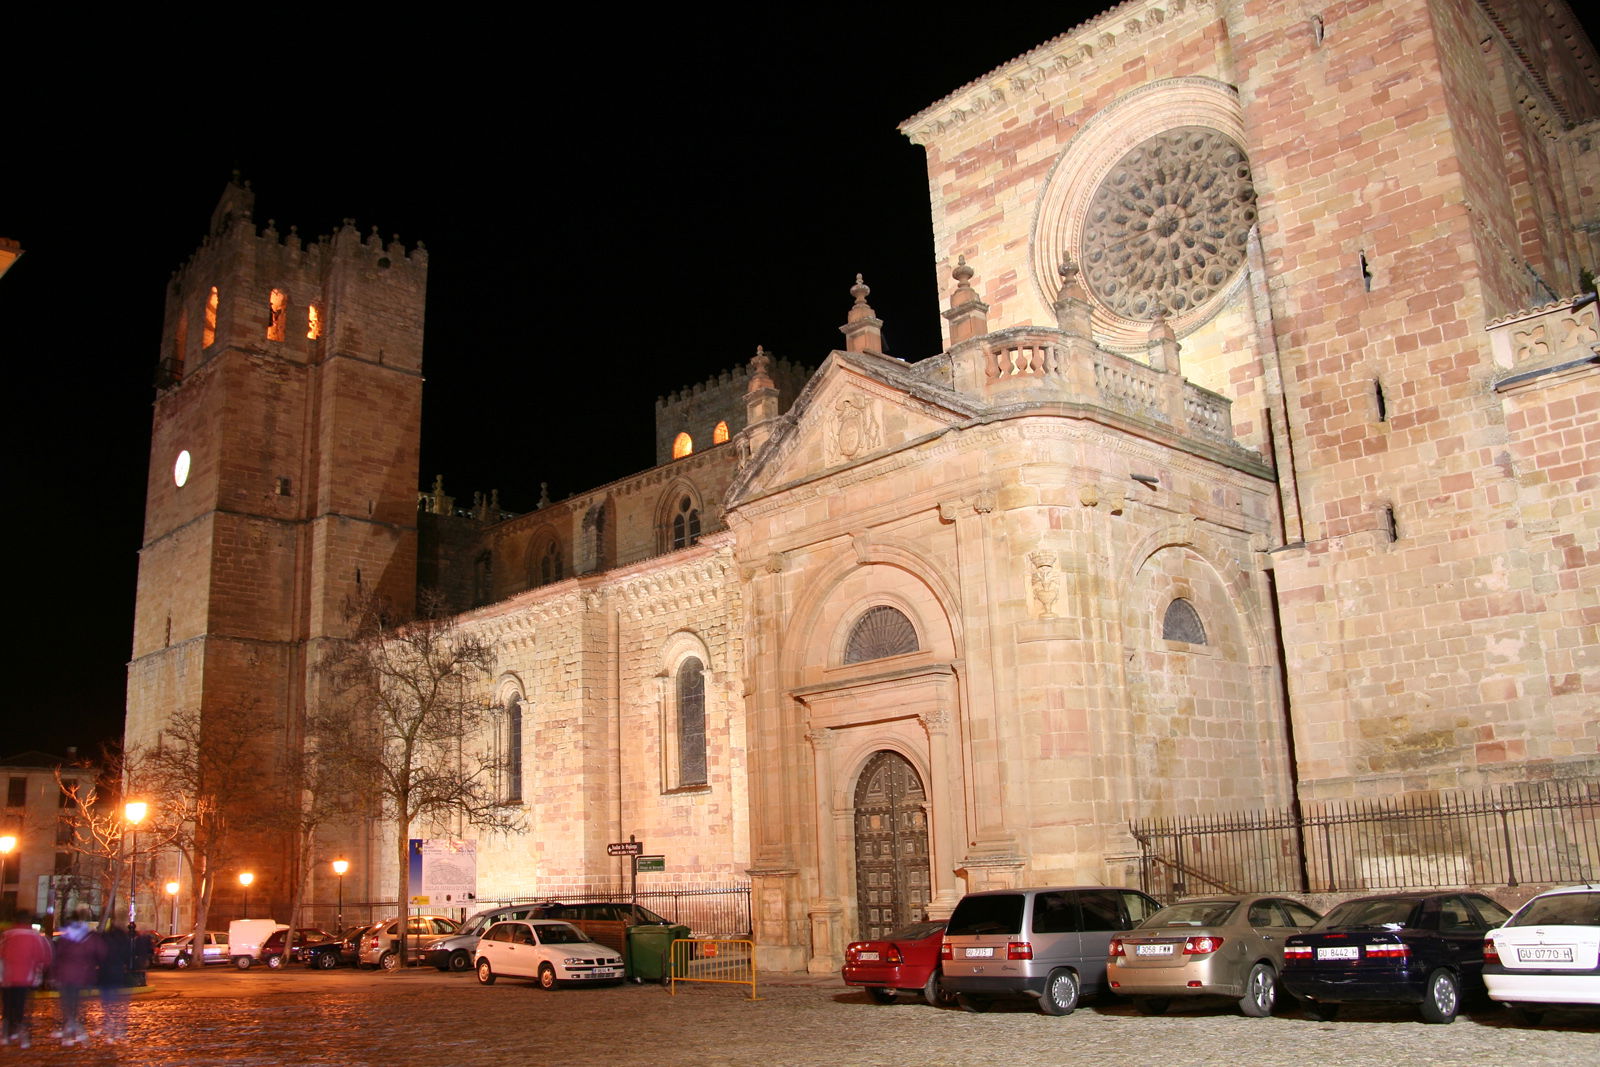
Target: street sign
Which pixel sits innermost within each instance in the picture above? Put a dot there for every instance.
(652, 863)
(625, 848)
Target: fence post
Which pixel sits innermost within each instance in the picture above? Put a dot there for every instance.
(1505, 833)
(1327, 849)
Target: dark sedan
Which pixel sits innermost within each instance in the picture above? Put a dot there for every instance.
(904, 961)
(1411, 948)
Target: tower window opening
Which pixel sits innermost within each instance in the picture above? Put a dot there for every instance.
(208, 333)
(719, 436)
(1366, 271)
(682, 445)
(1383, 406)
(277, 314)
(1390, 524)
(313, 323)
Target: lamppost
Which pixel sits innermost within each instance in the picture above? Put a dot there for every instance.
(245, 879)
(339, 867)
(172, 894)
(134, 811)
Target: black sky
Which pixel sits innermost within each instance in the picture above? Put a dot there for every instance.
(614, 207)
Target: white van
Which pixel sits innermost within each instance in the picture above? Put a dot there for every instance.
(245, 938)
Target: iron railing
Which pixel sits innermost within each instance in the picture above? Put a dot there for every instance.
(710, 910)
(1528, 832)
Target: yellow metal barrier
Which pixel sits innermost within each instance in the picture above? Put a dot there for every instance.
(709, 960)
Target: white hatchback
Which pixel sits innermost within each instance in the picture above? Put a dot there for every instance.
(552, 952)
(1547, 954)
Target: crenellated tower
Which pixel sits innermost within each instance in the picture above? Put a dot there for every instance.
(283, 475)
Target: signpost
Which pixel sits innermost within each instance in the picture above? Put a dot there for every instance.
(651, 863)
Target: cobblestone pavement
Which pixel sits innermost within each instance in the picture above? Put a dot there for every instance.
(423, 1017)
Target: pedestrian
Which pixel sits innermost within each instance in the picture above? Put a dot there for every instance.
(143, 947)
(114, 966)
(78, 953)
(24, 955)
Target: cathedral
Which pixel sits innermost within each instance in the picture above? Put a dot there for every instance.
(1259, 465)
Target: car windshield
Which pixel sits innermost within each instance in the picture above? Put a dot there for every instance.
(1194, 913)
(1562, 909)
(1369, 914)
(914, 932)
(646, 916)
(559, 934)
(1000, 913)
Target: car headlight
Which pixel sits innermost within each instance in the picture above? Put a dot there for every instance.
(573, 961)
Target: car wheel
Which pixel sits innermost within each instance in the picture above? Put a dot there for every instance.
(1151, 1005)
(1442, 999)
(880, 994)
(1260, 991)
(326, 961)
(181, 963)
(460, 960)
(933, 991)
(389, 961)
(274, 962)
(485, 973)
(968, 1002)
(243, 962)
(547, 976)
(1528, 1016)
(1321, 1010)
(1060, 993)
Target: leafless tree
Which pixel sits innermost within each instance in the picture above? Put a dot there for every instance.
(93, 828)
(413, 694)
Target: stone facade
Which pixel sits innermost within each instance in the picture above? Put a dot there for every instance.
(1256, 466)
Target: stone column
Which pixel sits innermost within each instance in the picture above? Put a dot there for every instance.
(946, 813)
(827, 910)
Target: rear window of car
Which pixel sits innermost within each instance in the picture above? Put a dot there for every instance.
(1194, 913)
(1369, 913)
(1563, 909)
(914, 932)
(998, 913)
(558, 934)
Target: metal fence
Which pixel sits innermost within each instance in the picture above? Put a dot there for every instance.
(1527, 832)
(714, 910)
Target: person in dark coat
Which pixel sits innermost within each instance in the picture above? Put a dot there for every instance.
(143, 947)
(78, 952)
(114, 966)
(24, 957)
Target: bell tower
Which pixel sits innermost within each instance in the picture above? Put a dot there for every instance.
(283, 476)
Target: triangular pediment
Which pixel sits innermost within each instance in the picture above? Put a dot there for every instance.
(857, 408)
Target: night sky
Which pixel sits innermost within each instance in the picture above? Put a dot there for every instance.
(612, 210)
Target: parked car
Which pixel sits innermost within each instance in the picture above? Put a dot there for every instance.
(1049, 943)
(1547, 954)
(904, 961)
(380, 942)
(305, 938)
(1226, 946)
(551, 952)
(604, 922)
(176, 953)
(1415, 948)
(246, 937)
(456, 952)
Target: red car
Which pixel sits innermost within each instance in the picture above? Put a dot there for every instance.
(906, 961)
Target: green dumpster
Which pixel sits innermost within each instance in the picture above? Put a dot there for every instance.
(650, 949)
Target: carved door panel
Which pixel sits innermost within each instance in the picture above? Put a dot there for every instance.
(892, 883)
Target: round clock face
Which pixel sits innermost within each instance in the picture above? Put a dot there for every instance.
(1166, 229)
(180, 469)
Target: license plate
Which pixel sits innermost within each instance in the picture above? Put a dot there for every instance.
(980, 953)
(1545, 953)
(868, 956)
(1339, 952)
(605, 972)
(1153, 950)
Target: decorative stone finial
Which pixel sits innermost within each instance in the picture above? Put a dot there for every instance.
(860, 290)
(544, 494)
(963, 273)
(760, 371)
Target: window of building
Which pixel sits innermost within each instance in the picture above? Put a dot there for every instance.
(277, 315)
(313, 323)
(720, 434)
(17, 793)
(685, 524)
(691, 723)
(682, 445)
(63, 863)
(483, 578)
(1182, 623)
(514, 748)
(879, 633)
(549, 563)
(208, 333)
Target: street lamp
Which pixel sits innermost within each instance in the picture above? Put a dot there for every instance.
(7, 843)
(134, 811)
(172, 892)
(339, 867)
(245, 879)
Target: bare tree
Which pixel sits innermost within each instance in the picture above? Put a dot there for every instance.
(94, 830)
(413, 692)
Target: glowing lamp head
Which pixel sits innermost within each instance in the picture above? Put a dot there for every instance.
(135, 811)
(246, 878)
(7, 843)
(340, 866)
(172, 888)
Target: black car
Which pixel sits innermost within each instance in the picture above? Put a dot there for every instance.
(1412, 948)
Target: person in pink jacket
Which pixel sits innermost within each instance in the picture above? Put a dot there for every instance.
(24, 955)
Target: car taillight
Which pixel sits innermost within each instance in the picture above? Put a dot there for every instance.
(1297, 952)
(892, 956)
(1491, 954)
(945, 952)
(1019, 950)
(1115, 949)
(1201, 946)
(1388, 952)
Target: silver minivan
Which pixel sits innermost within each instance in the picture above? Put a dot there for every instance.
(1048, 943)
(456, 953)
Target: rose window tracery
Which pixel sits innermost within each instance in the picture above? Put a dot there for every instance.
(1166, 229)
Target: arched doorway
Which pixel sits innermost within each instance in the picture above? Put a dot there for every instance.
(892, 884)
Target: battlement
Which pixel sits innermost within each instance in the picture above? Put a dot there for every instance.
(712, 411)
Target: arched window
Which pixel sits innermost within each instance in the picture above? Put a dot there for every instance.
(879, 633)
(685, 524)
(682, 445)
(313, 323)
(208, 333)
(549, 563)
(719, 436)
(691, 722)
(1182, 623)
(277, 315)
(514, 748)
(483, 578)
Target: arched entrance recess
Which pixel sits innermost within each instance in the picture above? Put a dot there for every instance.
(891, 824)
